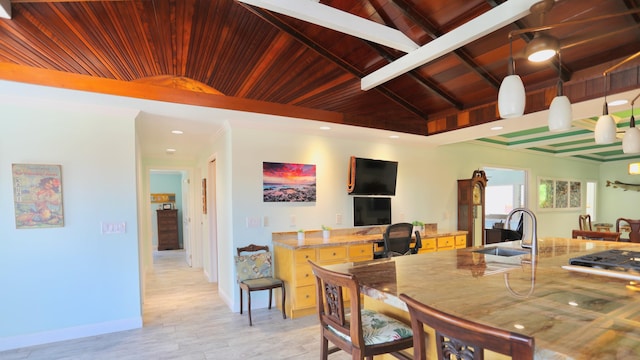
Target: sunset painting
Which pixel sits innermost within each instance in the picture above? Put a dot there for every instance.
(284, 182)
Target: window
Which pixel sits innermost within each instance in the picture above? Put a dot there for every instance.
(505, 191)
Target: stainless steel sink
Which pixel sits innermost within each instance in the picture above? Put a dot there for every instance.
(501, 251)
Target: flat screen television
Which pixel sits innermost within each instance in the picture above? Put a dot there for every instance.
(371, 211)
(372, 177)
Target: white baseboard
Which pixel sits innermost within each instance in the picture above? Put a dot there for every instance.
(76, 332)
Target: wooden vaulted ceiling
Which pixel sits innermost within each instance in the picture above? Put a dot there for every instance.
(247, 52)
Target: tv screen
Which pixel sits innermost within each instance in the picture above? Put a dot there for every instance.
(371, 211)
(372, 177)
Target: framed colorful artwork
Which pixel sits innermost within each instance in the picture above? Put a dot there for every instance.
(37, 194)
(286, 182)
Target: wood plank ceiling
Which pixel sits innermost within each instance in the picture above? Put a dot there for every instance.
(248, 52)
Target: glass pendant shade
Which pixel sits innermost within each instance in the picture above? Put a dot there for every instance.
(511, 97)
(631, 139)
(560, 114)
(605, 130)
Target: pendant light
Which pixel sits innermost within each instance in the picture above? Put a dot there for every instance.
(560, 114)
(605, 132)
(511, 96)
(631, 139)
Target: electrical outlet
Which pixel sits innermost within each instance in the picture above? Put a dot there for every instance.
(265, 221)
(338, 219)
(253, 222)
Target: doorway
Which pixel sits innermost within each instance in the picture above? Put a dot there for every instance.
(506, 190)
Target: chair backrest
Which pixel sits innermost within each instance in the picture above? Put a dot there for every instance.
(256, 265)
(584, 221)
(397, 239)
(634, 225)
(332, 289)
(595, 235)
(463, 338)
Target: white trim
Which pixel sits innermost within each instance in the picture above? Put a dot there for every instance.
(70, 333)
(326, 16)
(5, 9)
(492, 20)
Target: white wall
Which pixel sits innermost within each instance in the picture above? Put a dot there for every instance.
(61, 283)
(613, 203)
(426, 188)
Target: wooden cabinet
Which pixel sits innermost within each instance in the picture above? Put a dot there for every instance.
(441, 243)
(291, 265)
(471, 207)
(168, 238)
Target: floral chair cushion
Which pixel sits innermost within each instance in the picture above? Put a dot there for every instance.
(378, 328)
(254, 266)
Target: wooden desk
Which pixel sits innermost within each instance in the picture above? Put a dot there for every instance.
(571, 315)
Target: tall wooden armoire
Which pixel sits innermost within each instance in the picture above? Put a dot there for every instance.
(471, 207)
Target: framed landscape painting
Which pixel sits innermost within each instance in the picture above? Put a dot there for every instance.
(287, 182)
(37, 193)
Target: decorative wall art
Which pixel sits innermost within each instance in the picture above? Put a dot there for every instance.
(204, 195)
(559, 194)
(624, 186)
(37, 193)
(163, 198)
(286, 182)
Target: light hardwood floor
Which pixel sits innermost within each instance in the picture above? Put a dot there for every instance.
(185, 319)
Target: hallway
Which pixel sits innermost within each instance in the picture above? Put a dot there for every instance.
(185, 319)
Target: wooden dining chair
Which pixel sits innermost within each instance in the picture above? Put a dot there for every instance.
(595, 235)
(360, 332)
(634, 228)
(584, 222)
(459, 338)
(255, 273)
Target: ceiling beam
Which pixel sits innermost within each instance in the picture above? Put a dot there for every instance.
(273, 20)
(425, 24)
(5, 9)
(474, 29)
(342, 21)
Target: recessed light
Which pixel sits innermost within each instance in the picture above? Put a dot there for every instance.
(177, 132)
(573, 303)
(394, 136)
(170, 151)
(495, 128)
(618, 102)
(325, 128)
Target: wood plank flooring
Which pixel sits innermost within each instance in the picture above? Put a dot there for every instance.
(185, 319)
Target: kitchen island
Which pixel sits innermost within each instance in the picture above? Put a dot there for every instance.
(572, 315)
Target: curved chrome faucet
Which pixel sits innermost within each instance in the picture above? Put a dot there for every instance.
(533, 243)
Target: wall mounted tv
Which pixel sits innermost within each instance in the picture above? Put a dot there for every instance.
(371, 211)
(372, 177)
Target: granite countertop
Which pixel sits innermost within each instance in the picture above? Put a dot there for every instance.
(572, 315)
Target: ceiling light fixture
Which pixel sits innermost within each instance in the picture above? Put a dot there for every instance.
(542, 48)
(605, 131)
(560, 114)
(511, 95)
(631, 139)
(634, 168)
(177, 132)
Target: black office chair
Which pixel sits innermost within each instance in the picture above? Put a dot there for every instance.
(397, 240)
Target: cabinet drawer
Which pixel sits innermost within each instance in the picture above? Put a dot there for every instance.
(304, 275)
(330, 254)
(447, 242)
(461, 241)
(361, 251)
(428, 244)
(305, 296)
(302, 255)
